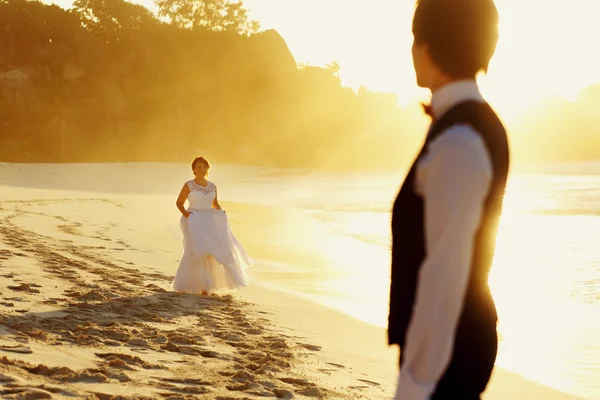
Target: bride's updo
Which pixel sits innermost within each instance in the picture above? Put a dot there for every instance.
(200, 159)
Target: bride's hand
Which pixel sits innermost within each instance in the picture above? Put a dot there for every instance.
(187, 214)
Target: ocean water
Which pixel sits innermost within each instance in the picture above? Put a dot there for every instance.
(545, 278)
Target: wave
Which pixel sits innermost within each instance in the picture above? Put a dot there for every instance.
(568, 212)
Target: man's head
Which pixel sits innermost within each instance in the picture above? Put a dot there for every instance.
(453, 39)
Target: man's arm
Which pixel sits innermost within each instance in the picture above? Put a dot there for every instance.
(454, 180)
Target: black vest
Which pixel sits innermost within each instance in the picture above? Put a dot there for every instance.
(408, 240)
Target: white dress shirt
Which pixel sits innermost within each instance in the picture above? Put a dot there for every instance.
(453, 178)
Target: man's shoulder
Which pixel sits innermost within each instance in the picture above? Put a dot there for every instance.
(461, 142)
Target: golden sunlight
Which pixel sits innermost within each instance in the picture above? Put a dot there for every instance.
(541, 260)
(544, 48)
(523, 281)
(311, 122)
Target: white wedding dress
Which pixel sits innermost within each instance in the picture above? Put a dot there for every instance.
(213, 259)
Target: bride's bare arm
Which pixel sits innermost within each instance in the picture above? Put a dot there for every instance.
(180, 203)
(215, 202)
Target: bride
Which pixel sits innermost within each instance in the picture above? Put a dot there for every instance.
(213, 259)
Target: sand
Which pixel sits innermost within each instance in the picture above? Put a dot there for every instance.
(86, 310)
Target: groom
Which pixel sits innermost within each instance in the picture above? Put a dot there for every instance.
(446, 215)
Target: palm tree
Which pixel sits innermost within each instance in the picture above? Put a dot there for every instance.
(334, 67)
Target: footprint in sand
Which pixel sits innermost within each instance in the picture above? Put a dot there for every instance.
(327, 371)
(138, 342)
(185, 381)
(24, 392)
(213, 354)
(283, 393)
(5, 254)
(369, 382)
(126, 361)
(62, 374)
(17, 349)
(4, 378)
(311, 347)
(25, 287)
(356, 387)
(19, 299)
(249, 355)
(178, 391)
(295, 381)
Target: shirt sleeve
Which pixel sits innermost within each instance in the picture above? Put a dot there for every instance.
(454, 180)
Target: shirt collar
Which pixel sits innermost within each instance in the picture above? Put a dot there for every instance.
(451, 94)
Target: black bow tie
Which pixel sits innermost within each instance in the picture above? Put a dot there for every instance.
(428, 109)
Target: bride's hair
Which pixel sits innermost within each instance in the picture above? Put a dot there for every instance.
(200, 159)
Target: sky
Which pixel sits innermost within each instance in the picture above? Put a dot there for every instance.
(546, 47)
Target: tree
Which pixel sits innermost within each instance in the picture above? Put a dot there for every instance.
(335, 68)
(110, 80)
(110, 19)
(214, 15)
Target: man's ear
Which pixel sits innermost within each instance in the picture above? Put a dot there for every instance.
(426, 54)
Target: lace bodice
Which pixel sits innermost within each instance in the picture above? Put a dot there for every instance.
(210, 187)
(201, 197)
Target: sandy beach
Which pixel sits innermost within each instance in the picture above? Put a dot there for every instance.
(87, 255)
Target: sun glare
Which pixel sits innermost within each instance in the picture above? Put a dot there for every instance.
(545, 47)
(539, 57)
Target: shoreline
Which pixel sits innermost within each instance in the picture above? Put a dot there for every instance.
(342, 341)
(341, 336)
(333, 351)
(78, 320)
